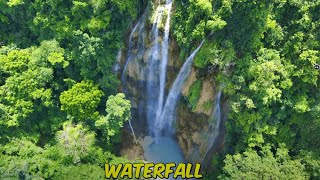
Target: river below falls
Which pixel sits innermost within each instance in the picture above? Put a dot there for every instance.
(162, 150)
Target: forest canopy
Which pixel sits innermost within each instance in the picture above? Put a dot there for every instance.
(56, 75)
(58, 88)
(264, 53)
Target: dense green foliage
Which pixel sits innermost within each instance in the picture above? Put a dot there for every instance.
(81, 100)
(263, 165)
(194, 94)
(119, 111)
(56, 61)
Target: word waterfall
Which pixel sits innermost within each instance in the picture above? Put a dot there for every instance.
(151, 170)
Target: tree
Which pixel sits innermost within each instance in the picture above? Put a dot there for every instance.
(81, 101)
(312, 163)
(119, 111)
(196, 18)
(263, 165)
(27, 86)
(22, 159)
(269, 76)
(92, 61)
(76, 141)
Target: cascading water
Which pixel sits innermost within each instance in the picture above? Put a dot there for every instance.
(129, 57)
(164, 59)
(153, 71)
(157, 75)
(215, 125)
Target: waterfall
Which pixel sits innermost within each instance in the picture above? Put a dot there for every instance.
(123, 76)
(164, 60)
(164, 123)
(131, 55)
(215, 125)
(152, 71)
(162, 147)
(157, 66)
(151, 100)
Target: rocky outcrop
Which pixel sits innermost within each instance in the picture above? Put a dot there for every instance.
(194, 133)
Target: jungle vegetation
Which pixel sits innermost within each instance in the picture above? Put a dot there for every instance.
(61, 113)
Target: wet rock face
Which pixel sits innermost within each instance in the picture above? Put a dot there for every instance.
(137, 72)
(194, 135)
(195, 126)
(188, 133)
(136, 67)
